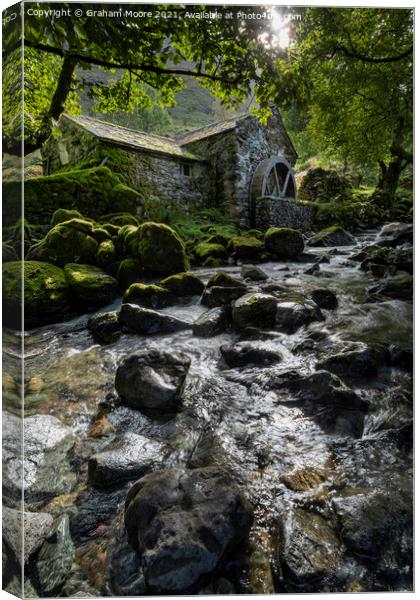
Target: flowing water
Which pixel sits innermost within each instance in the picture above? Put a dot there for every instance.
(285, 458)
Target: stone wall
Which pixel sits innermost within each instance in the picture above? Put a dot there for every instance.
(161, 180)
(221, 152)
(272, 212)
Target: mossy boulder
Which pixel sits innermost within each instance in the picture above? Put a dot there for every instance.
(90, 286)
(284, 242)
(218, 238)
(245, 247)
(148, 295)
(255, 310)
(183, 284)
(105, 254)
(255, 233)
(113, 230)
(332, 236)
(65, 243)
(46, 293)
(205, 250)
(62, 214)
(224, 280)
(128, 240)
(105, 327)
(129, 271)
(161, 250)
(120, 219)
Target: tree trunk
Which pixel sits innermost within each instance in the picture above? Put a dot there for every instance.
(58, 101)
(390, 175)
(63, 87)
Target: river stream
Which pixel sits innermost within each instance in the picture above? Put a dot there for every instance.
(316, 480)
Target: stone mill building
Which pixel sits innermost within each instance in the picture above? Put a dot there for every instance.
(238, 165)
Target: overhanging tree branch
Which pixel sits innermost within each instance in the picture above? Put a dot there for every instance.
(92, 60)
(371, 59)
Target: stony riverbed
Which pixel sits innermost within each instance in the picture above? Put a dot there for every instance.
(276, 456)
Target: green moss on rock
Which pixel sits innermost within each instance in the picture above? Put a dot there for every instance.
(148, 295)
(224, 280)
(183, 284)
(284, 242)
(245, 247)
(120, 219)
(113, 230)
(94, 192)
(106, 253)
(205, 250)
(161, 250)
(62, 214)
(129, 271)
(90, 286)
(65, 243)
(46, 293)
(218, 238)
(127, 241)
(256, 233)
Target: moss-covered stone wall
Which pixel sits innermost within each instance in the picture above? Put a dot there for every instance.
(94, 192)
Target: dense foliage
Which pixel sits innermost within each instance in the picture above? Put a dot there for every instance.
(352, 74)
(232, 57)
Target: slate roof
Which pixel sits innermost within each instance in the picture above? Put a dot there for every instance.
(209, 130)
(131, 138)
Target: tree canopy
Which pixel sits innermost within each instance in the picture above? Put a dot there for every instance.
(352, 74)
(231, 56)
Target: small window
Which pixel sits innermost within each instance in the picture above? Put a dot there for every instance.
(186, 170)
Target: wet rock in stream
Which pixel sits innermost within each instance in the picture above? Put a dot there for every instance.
(291, 316)
(324, 397)
(212, 322)
(222, 289)
(395, 234)
(146, 321)
(35, 525)
(253, 273)
(377, 526)
(152, 379)
(324, 298)
(310, 551)
(46, 470)
(105, 327)
(399, 287)
(248, 353)
(55, 557)
(221, 296)
(337, 237)
(353, 364)
(127, 457)
(182, 523)
(255, 309)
